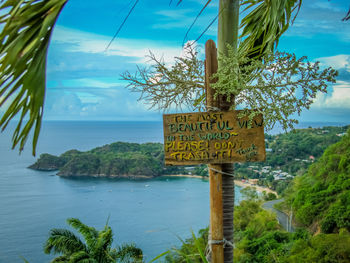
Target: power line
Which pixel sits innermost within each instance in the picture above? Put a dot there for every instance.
(183, 42)
(206, 29)
(122, 24)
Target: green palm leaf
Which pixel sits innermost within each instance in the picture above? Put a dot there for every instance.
(90, 234)
(81, 257)
(25, 37)
(102, 249)
(63, 241)
(60, 259)
(264, 24)
(129, 253)
(96, 249)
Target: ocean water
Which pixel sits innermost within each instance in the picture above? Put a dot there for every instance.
(151, 213)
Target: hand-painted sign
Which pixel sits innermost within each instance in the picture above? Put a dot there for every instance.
(212, 137)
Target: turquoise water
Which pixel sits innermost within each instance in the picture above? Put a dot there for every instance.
(151, 213)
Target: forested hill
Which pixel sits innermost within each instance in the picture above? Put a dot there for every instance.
(118, 159)
(321, 198)
(289, 153)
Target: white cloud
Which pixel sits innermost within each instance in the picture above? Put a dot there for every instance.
(339, 96)
(336, 62)
(80, 41)
(174, 14)
(89, 82)
(338, 99)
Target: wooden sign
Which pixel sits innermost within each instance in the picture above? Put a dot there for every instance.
(212, 137)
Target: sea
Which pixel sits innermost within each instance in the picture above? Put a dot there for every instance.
(154, 214)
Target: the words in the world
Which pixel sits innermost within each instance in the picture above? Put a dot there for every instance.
(212, 137)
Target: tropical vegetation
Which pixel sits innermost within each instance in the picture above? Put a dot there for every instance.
(320, 199)
(260, 238)
(321, 212)
(290, 153)
(96, 247)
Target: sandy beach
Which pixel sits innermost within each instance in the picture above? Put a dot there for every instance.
(187, 175)
(258, 188)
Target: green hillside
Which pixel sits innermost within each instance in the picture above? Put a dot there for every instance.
(321, 198)
(321, 207)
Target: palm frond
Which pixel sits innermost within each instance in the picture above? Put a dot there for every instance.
(63, 241)
(103, 244)
(99, 250)
(160, 256)
(90, 234)
(129, 251)
(81, 256)
(200, 246)
(264, 24)
(60, 259)
(25, 37)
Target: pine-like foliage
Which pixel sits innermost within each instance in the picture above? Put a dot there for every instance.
(162, 86)
(278, 86)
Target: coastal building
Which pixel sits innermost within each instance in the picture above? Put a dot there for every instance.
(277, 171)
(341, 134)
(279, 177)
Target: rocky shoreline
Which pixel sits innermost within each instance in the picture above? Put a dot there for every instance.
(259, 189)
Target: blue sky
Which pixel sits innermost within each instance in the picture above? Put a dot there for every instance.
(83, 79)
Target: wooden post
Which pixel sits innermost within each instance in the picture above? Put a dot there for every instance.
(216, 215)
(215, 178)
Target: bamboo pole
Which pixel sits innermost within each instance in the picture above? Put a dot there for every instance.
(215, 178)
